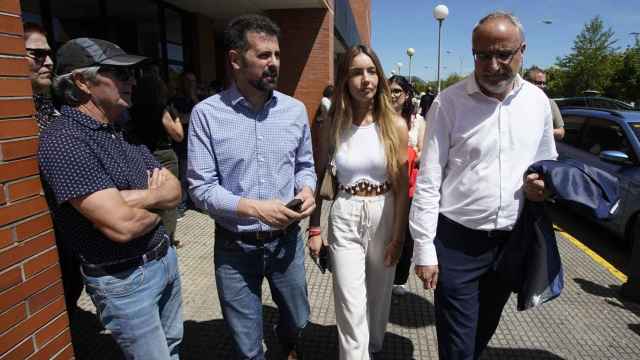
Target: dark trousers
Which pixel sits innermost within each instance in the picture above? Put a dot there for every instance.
(71, 277)
(168, 159)
(404, 264)
(469, 297)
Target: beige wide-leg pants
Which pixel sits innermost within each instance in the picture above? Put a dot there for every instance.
(359, 229)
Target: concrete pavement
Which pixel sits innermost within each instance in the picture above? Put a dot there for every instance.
(588, 321)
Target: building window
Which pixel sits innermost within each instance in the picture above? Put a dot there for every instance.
(175, 48)
(135, 26)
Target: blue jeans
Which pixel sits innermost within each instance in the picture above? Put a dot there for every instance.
(142, 307)
(240, 268)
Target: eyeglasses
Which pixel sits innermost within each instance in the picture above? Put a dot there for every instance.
(539, 83)
(504, 57)
(396, 91)
(39, 55)
(121, 73)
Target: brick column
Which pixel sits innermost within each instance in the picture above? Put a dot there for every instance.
(33, 320)
(361, 10)
(306, 52)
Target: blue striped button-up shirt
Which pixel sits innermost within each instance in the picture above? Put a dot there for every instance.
(235, 152)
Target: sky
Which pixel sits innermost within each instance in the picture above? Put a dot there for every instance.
(401, 24)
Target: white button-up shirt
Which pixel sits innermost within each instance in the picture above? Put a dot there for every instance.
(477, 150)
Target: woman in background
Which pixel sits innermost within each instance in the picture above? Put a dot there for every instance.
(402, 101)
(156, 126)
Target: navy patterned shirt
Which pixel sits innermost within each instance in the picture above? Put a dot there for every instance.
(79, 156)
(236, 152)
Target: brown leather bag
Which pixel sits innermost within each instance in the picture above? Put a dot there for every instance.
(329, 186)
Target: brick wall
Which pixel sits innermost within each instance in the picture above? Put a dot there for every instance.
(361, 10)
(33, 320)
(306, 53)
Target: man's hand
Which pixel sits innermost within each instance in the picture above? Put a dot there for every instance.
(274, 213)
(308, 202)
(155, 178)
(144, 198)
(314, 244)
(392, 253)
(428, 274)
(534, 187)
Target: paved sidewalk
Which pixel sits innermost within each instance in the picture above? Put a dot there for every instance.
(588, 321)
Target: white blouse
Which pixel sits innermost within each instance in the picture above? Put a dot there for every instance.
(360, 156)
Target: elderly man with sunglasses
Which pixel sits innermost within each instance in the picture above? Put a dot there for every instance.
(483, 134)
(104, 194)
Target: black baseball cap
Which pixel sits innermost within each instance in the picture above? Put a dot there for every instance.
(86, 52)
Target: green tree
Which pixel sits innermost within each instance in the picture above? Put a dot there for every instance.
(592, 63)
(625, 83)
(556, 79)
(450, 80)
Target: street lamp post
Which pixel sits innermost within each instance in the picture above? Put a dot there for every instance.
(440, 12)
(410, 52)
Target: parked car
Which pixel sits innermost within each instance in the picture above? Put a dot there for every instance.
(608, 140)
(599, 102)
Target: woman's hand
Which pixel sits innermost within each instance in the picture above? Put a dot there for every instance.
(314, 244)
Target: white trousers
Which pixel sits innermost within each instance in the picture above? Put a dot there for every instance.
(359, 229)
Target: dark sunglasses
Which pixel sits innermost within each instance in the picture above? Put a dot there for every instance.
(539, 83)
(503, 57)
(38, 54)
(121, 73)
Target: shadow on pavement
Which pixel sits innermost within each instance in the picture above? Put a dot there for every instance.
(594, 236)
(206, 340)
(507, 353)
(412, 311)
(612, 291)
(89, 339)
(318, 341)
(321, 341)
(211, 340)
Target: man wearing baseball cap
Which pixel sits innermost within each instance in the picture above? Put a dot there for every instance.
(103, 193)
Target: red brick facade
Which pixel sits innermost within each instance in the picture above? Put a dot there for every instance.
(33, 320)
(306, 50)
(361, 10)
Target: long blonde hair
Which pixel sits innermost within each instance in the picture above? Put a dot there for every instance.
(341, 113)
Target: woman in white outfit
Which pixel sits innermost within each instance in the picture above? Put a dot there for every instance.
(368, 218)
(402, 102)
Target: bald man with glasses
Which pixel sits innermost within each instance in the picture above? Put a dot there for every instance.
(483, 133)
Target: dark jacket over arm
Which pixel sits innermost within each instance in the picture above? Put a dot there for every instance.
(530, 261)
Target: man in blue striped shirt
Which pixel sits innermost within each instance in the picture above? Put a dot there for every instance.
(249, 154)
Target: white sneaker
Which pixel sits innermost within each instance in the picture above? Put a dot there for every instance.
(400, 290)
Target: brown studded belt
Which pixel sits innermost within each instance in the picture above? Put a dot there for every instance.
(364, 188)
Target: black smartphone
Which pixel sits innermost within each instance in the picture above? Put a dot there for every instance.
(322, 260)
(295, 205)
